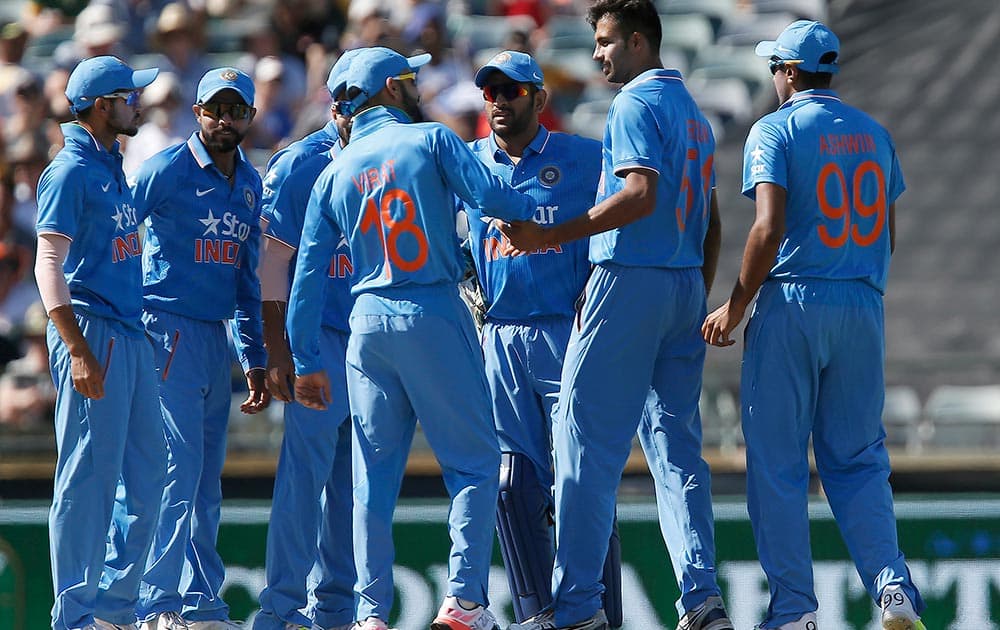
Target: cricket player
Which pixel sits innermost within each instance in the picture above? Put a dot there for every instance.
(635, 357)
(824, 177)
(412, 350)
(529, 313)
(312, 497)
(201, 201)
(107, 417)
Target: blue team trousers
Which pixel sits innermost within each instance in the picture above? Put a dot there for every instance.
(315, 458)
(633, 363)
(813, 365)
(523, 364)
(426, 366)
(184, 572)
(99, 442)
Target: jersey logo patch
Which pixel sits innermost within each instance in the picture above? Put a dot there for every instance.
(549, 176)
(250, 198)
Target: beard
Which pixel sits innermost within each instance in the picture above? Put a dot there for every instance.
(411, 105)
(218, 140)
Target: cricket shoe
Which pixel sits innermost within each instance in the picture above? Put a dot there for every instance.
(897, 610)
(165, 621)
(805, 622)
(100, 624)
(451, 616)
(546, 621)
(710, 615)
(215, 624)
(372, 623)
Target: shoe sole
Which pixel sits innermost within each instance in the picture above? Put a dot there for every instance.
(443, 624)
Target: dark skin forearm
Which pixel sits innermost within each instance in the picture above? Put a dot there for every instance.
(712, 244)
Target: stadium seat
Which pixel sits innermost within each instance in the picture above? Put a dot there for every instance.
(476, 32)
(717, 11)
(588, 119)
(728, 98)
(747, 30)
(568, 31)
(802, 9)
(964, 417)
(901, 417)
(732, 62)
(689, 32)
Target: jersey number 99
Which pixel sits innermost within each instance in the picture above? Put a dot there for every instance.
(389, 230)
(851, 202)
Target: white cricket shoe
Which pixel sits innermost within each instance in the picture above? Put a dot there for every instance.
(165, 621)
(805, 622)
(546, 621)
(897, 610)
(451, 616)
(710, 615)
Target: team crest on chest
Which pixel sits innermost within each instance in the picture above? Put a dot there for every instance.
(549, 176)
(250, 198)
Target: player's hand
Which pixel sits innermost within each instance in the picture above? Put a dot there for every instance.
(280, 372)
(259, 398)
(313, 390)
(521, 237)
(88, 374)
(720, 323)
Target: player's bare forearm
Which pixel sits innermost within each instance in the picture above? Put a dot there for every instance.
(635, 201)
(87, 373)
(280, 370)
(712, 244)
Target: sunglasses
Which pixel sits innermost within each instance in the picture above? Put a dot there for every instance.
(342, 108)
(509, 91)
(774, 64)
(406, 75)
(236, 111)
(131, 97)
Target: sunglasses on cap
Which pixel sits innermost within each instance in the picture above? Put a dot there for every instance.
(236, 111)
(774, 64)
(342, 108)
(131, 97)
(509, 91)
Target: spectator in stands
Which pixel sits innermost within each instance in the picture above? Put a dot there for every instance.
(265, 42)
(27, 156)
(180, 39)
(13, 39)
(274, 119)
(427, 32)
(17, 287)
(98, 30)
(27, 395)
(167, 121)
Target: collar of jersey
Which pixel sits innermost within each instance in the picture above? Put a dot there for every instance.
(810, 95)
(537, 144)
(201, 156)
(82, 137)
(653, 74)
(374, 118)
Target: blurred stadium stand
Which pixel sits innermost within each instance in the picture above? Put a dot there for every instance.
(925, 70)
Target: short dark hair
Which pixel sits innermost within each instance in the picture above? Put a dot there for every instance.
(633, 16)
(818, 80)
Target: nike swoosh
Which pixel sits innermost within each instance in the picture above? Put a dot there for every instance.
(202, 193)
(106, 186)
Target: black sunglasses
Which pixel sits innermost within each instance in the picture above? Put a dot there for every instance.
(236, 111)
(509, 91)
(342, 108)
(774, 64)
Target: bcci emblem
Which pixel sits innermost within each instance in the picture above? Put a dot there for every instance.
(249, 197)
(501, 58)
(228, 75)
(549, 176)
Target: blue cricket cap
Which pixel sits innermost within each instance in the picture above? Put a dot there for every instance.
(806, 42)
(518, 66)
(337, 81)
(100, 76)
(370, 67)
(218, 79)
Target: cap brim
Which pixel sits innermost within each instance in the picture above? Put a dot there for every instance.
(766, 48)
(142, 78)
(418, 60)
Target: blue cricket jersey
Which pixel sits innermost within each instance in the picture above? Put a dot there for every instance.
(560, 172)
(654, 124)
(82, 195)
(287, 214)
(841, 172)
(288, 159)
(202, 239)
(391, 193)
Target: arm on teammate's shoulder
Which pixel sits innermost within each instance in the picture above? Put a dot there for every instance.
(712, 244)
